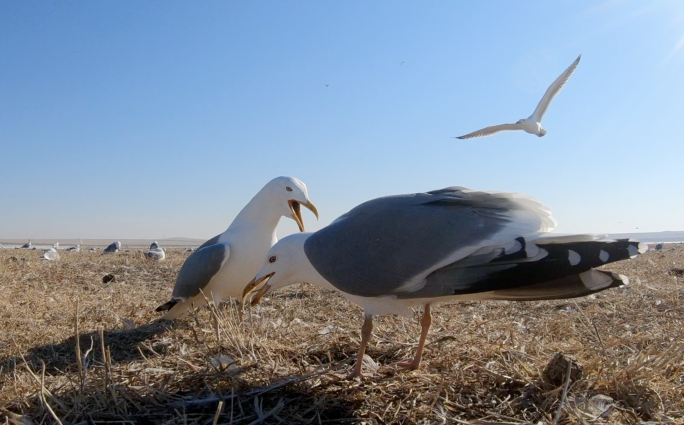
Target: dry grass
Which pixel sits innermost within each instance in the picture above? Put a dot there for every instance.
(485, 363)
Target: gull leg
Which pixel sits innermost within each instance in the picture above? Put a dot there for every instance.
(366, 331)
(425, 323)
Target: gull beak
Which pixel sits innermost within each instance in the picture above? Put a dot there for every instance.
(260, 287)
(297, 212)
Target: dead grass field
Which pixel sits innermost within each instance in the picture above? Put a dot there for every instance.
(485, 363)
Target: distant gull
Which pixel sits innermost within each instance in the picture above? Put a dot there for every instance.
(221, 266)
(76, 248)
(113, 247)
(532, 124)
(394, 253)
(327, 85)
(50, 254)
(27, 245)
(155, 252)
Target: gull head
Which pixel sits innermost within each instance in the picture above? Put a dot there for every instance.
(282, 266)
(291, 195)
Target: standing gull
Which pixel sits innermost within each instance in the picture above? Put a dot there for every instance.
(394, 253)
(113, 247)
(27, 245)
(222, 265)
(532, 124)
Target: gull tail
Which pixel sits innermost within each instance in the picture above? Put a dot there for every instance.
(542, 133)
(579, 285)
(169, 305)
(542, 269)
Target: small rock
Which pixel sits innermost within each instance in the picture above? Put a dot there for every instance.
(555, 371)
(108, 278)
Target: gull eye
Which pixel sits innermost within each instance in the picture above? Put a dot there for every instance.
(288, 188)
(272, 259)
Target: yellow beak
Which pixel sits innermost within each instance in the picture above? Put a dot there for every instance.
(260, 287)
(297, 212)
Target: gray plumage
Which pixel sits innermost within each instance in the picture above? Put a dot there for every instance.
(113, 247)
(27, 245)
(199, 268)
(456, 242)
(386, 243)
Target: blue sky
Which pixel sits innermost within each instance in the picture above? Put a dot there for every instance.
(122, 119)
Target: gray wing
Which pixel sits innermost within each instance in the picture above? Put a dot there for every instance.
(198, 270)
(389, 245)
(560, 267)
(212, 241)
(553, 90)
(488, 131)
(111, 248)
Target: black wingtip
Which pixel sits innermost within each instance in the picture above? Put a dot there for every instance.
(168, 306)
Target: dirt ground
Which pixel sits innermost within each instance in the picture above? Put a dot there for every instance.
(485, 362)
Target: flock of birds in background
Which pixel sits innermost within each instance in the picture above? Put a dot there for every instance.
(52, 254)
(395, 253)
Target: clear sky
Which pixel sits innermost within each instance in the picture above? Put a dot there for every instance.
(123, 119)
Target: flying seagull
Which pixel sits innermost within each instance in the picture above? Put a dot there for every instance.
(532, 124)
(113, 247)
(27, 245)
(391, 254)
(220, 267)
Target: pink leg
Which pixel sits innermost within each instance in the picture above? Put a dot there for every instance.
(366, 331)
(425, 323)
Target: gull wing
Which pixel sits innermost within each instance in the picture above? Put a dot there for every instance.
(553, 90)
(198, 270)
(488, 131)
(388, 246)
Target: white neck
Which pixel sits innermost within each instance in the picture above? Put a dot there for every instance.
(300, 267)
(261, 212)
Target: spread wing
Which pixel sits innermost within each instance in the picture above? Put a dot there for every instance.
(553, 90)
(488, 131)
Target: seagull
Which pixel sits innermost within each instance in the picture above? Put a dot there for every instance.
(76, 248)
(27, 245)
(50, 254)
(55, 245)
(113, 247)
(220, 267)
(394, 253)
(532, 124)
(327, 85)
(155, 252)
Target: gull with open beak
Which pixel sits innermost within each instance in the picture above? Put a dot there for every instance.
(391, 254)
(220, 267)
